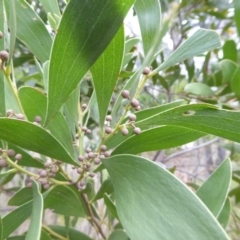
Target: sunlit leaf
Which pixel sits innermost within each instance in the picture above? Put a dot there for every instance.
(142, 189)
(149, 17)
(29, 136)
(201, 41)
(214, 190)
(200, 117)
(105, 72)
(31, 30)
(34, 230)
(79, 43)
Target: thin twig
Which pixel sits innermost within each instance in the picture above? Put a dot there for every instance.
(189, 150)
(96, 223)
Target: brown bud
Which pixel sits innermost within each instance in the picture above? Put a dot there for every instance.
(103, 148)
(125, 94)
(4, 55)
(107, 154)
(10, 152)
(3, 162)
(84, 106)
(18, 157)
(109, 118)
(97, 161)
(134, 103)
(137, 130)
(132, 117)
(1, 34)
(37, 119)
(108, 130)
(146, 70)
(125, 131)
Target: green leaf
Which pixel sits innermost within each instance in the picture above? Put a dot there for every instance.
(31, 30)
(228, 68)
(230, 50)
(110, 206)
(51, 6)
(35, 104)
(15, 218)
(63, 200)
(72, 233)
(199, 117)
(198, 89)
(149, 17)
(167, 204)
(79, 43)
(225, 213)
(201, 41)
(12, 25)
(34, 231)
(118, 234)
(214, 190)
(22, 196)
(237, 15)
(106, 187)
(105, 72)
(1, 229)
(34, 138)
(235, 83)
(72, 105)
(163, 137)
(2, 92)
(45, 236)
(5, 174)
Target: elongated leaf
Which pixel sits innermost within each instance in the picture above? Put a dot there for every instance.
(118, 234)
(31, 30)
(237, 15)
(158, 138)
(51, 6)
(225, 213)
(2, 92)
(105, 72)
(201, 41)
(5, 174)
(149, 17)
(228, 68)
(22, 196)
(143, 189)
(83, 34)
(199, 89)
(200, 117)
(34, 138)
(15, 218)
(64, 201)
(34, 231)
(35, 104)
(72, 233)
(214, 190)
(45, 236)
(1, 229)
(13, 26)
(110, 206)
(106, 187)
(235, 83)
(230, 50)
